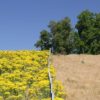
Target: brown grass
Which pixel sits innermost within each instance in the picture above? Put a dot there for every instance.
(80, 75)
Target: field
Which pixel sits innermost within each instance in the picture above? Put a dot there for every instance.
(24, 76)
(80, 75)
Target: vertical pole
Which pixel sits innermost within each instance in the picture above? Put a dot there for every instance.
(50, 78)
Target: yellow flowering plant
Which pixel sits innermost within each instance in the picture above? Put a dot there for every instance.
(24, 76)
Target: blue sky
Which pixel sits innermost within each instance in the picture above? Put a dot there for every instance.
(22, 20)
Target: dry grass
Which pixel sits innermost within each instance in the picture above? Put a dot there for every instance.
(80, 75)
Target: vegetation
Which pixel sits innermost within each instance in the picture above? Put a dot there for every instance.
(24, 76)
(88, 27)
(62, 38)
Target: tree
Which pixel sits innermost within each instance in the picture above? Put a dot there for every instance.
(60, 32)
(45, 40)
(64, 40)
(57, 38)
(88, 27)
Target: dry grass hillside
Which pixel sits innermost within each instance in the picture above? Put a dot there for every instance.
(80, 75)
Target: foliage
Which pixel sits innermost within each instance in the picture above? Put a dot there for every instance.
(64, 40)
(24, 75)
(57, 37)
(88, 26)
(44, 43)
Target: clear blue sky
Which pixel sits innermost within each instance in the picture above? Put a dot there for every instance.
(22, 20)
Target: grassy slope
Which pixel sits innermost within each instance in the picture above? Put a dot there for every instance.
(80, 75)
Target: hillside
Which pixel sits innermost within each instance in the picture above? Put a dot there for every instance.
(24, 76)
(80, 75)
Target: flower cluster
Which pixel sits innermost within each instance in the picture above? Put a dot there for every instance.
(24, 76)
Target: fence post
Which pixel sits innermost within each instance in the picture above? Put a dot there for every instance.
(50, 78)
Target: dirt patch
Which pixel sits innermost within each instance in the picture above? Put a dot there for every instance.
(80, 75)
